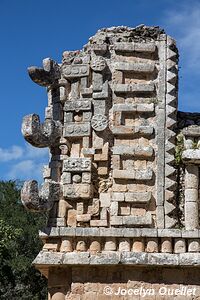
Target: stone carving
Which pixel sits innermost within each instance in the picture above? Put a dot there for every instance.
(41, 135)
(99, 122)
(40, 200)
(123, 175)
(98, 64)
(74, 71)
(77, 164)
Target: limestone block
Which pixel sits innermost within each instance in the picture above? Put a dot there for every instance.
(123, 130)
(76, 70)
(191, 177)
(133, 258)
(72, 258)
(152, 245)
(78, 105)
(62, 207)
(191, 215)
(71, 218)
(179, 245)
(166, 245)
(58, 296)
(191, 131)
(110, 244)
(95, 247)
(99, 223)
(136, 151)
(117, 196)
(114, 207)
(138, 220)
(191, 195)
(137, 87)
(81, 246)
(188, 142)
(93, 209)
(116, 220)
(77, 165)
(191, 156)
(135, 67)
(80, 208)
(144, 174)
(66, 245)
(104, 213)
(138, 245)
(133, 174)
(80, 129)
(124, 245)
(106, 258)
(77, 191)
(83, 218)
(104, 199)
(124, 209)
(194, 245)
(138, 197)
(137, 47)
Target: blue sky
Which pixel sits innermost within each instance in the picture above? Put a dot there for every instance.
(31, 30)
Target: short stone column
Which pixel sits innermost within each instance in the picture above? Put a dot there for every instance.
(191, 197)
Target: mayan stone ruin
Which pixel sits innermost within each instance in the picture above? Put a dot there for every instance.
(122, 184)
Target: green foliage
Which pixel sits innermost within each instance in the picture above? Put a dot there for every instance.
(19, 245)
(195, 145)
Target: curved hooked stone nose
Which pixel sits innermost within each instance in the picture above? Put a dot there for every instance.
(41, 135)
(39, 200)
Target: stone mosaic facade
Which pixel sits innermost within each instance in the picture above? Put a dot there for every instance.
(122, 183)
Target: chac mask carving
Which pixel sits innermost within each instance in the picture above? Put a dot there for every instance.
(110, 126)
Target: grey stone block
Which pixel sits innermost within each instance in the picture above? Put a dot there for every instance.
(189, 259)
(67, 231)
(132, 258)
(130, 88)
(169, 233)
(138, 220)
(105, 258)
(73, 258)
(163, 259)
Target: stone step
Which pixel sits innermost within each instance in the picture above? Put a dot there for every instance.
(134, 87)
(135, 67)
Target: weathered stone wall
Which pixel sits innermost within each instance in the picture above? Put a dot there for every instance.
(134, 283)
(122, 184)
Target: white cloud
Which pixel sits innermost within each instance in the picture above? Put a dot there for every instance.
(12, 153)
(23, 162)
(33, 152)
(17, 152)
(25, 170)
(184, 23)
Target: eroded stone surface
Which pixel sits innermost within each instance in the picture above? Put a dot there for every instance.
(122, 183)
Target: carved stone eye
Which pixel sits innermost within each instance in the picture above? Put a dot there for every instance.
(99, 122)
(98, 64)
